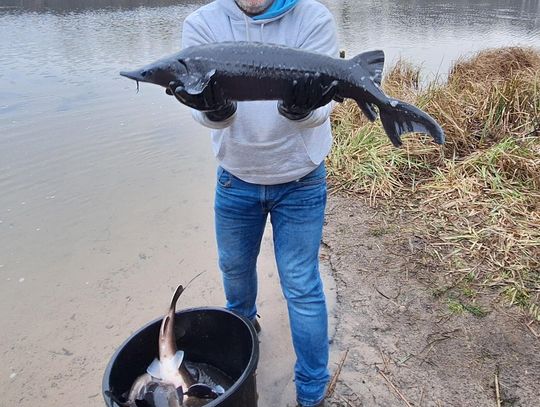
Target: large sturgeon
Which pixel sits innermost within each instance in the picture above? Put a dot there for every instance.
(256, 71)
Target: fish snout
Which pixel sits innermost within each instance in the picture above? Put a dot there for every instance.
(138, 75)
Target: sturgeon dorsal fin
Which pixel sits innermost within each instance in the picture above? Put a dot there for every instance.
(374, 62)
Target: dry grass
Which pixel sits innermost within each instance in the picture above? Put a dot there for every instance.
(478, 197)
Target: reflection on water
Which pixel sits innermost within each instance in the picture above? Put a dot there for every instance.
(434, 33)
(84, 158)
(71, 5)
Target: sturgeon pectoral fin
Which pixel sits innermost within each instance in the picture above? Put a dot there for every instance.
(154, 369)
(178, 358)
(197, 85)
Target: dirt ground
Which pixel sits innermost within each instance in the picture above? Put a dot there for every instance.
(399, 343)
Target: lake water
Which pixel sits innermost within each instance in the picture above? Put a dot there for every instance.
(103, 189)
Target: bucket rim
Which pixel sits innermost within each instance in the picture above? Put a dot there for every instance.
(252, 363)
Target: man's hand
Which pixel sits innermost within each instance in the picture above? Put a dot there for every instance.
(211, 100)
(306, 94)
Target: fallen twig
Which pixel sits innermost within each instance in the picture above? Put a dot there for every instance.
(333, 382)
(497, 388)
(536, 334)
(395, 388)
(385, 361)
(387, 297)
(431, 344)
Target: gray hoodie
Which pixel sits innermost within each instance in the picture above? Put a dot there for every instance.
(257, 144)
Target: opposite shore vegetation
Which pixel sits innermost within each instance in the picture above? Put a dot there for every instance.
(475, 202)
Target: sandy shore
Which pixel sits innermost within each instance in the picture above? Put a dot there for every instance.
(60, 331)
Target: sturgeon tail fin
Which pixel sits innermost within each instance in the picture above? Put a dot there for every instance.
(177, 293)
(399, 118)
(169, 317)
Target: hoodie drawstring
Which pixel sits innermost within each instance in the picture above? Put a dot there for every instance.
(247, 28)
(248, 36)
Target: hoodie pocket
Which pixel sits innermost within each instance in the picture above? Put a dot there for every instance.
(309, 154)
(317, 142)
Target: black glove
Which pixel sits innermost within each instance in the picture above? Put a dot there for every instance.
(211, 100)
(305, 95)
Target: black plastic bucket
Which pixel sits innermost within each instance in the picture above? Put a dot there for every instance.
(214, 336)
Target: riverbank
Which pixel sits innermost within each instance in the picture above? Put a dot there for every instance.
(401, 342)
(436, 251)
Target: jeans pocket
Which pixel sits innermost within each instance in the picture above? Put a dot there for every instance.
(317, 176)
(224, 178)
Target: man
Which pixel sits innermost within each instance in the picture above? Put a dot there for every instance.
(271, 161)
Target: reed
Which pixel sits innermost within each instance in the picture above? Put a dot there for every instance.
(476, 200)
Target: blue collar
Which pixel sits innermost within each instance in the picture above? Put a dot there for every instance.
(276, 9)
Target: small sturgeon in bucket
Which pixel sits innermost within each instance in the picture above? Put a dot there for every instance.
(256, 71)
(169, 367)
(167, 382)
(166, 378)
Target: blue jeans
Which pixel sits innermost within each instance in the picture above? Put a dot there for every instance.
(297, 214)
